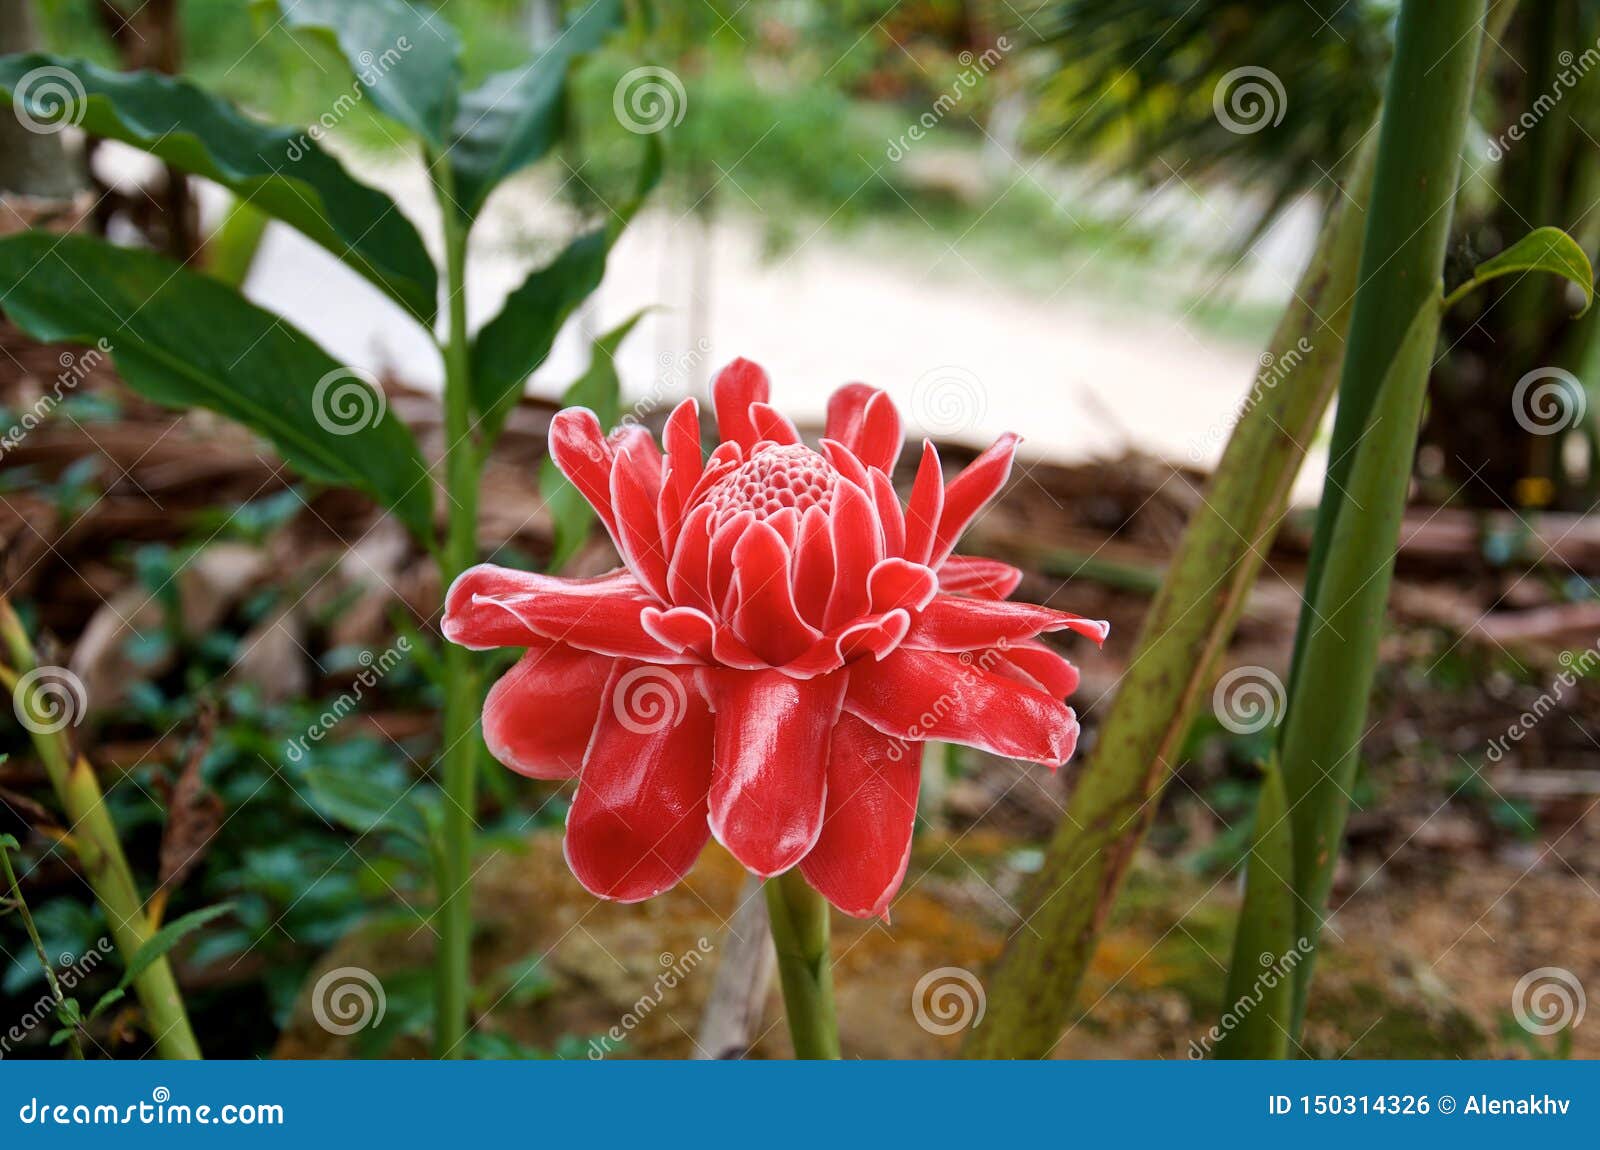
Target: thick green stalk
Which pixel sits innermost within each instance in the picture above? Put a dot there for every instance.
(800, 936)
(94, 837)
(1188, 625)
(1392, 334)
(6, 842)
(462, 700)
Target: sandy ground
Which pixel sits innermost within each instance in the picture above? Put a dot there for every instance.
(966, 352)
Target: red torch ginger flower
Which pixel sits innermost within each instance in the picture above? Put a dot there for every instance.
(782, 637)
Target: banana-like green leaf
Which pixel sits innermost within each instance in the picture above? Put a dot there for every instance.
(280, 171)
(512, 345)
(1260, 992)
(600, 390)
(515, 117)
(1541, 250)
(405, 56)
(184, 339)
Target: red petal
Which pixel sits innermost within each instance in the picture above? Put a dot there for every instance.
(539, 716)
(736, 387)
(983, 578)
(968, 492)
(489, 606)
(765, 617)
(688, 575)
(638, 528)
(684, 467)
(578, 446)
(813, 567)
(772, 425)
(956, 623)
(845, 463)
(898, 583)
(769, 776)
(639, 819)
(681, 628)
(917, 695)
(925, 507)
(890, 518)
(856, 551)
(860, 859)
(864, 419)
(1042, 668)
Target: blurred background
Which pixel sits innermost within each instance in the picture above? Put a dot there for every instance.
(1078, 220)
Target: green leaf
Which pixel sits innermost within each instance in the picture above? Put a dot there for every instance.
(515, 117)
(1541, 250)
(600, 391)
(158, 944)
(110, 998)
(280, 171)
(183, 339)
(1260, 990)
(363, 807)
(406, 57)
(512, 345)
(9, 842)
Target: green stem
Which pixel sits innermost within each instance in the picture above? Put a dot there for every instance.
(800, 936)
(462, 700)
(1189, 624)
(38, 945)
(99, 851)
(1380, 401)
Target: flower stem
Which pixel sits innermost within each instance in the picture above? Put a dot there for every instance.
(454, 975)
(800, 935)
(38, 945)
(99, 851)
